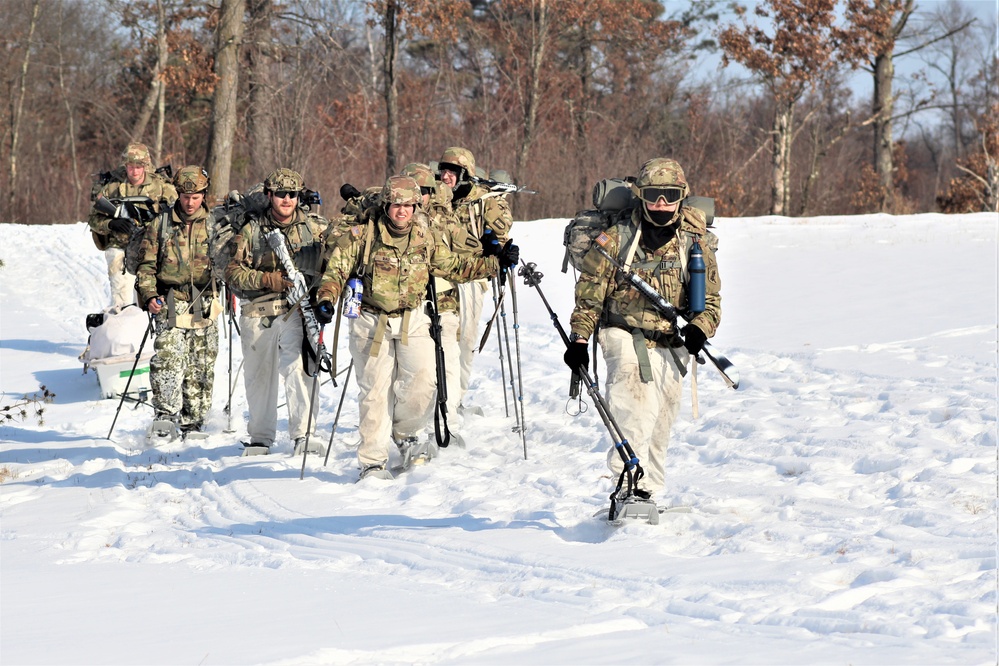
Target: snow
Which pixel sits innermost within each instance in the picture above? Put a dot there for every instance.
(844, 498)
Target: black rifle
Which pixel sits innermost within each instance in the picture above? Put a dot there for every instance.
(440, 409)
(667, 310)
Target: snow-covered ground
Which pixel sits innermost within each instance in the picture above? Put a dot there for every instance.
(844, 498)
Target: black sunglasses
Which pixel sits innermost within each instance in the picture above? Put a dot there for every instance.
(285, 194)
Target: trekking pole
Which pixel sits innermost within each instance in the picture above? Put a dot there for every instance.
(520, 373)
(128, 383)
(336, 419)
(505, 333)
(633, 471)
(322, 365)
(230, 310)
(497, 299)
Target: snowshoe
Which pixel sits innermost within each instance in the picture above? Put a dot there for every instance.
(314, 445)
(255, 449)
(192, 432)
(413, 452)
(161, 431)
(632, 507)
(375, 472)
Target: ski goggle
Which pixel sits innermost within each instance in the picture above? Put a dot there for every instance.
(652, 194)
(426, 190)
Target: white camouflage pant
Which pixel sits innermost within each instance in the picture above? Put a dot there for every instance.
(395, 388)
(644, 411)
(470, 298)
(452, 363)
(272, 350)
(122, 283)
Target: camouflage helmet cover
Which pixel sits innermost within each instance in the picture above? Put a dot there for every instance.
(402, 190)
(421, 173)
(457, 156)
(137, 153)
(284, 180)
(191, 180)
(662, 172)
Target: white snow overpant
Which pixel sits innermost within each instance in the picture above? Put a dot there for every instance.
(470, 299)
(272, 349)
(644, 411)
(122, 283)
(396, 385)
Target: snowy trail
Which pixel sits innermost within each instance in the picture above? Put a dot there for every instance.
(844, 497)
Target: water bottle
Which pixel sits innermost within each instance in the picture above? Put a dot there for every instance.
(695, 283)
(352, 298)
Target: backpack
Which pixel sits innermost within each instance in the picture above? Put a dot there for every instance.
(139, 211)
(614, 202)
(230, 218)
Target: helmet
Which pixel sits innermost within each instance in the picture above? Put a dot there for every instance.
(662, 172)
(284, 180)
(191, 180)
(460, 158)
(401, 190)
(481, 173)
(137, 153)
(421, 173)
(501, 176)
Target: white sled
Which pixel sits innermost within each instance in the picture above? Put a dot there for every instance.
(111, 352)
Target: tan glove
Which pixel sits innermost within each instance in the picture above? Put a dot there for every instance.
(275, 281)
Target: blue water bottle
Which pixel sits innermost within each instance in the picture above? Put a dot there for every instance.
(695, 283)
(352, 298)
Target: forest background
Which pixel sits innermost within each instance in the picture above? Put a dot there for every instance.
(788, 107)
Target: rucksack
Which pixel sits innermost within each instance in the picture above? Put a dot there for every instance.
(230, 218)
(613, 203)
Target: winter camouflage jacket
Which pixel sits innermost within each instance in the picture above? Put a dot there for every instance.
(155, 186)
(604, 296)
(455, 236)
(181, 263)
(397, 268)
(305, 234)
(480, 209)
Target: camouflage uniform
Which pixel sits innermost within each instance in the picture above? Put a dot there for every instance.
(271, 340)
(390, 341)
(631, 329)
(176, 267)
(113, 243)
(476, 210)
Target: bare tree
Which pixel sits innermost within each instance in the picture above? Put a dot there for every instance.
(17, 115)
(229, 37)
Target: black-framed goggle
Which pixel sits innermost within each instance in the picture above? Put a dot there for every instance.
(285, 194)
(426, 190)
(652, 194)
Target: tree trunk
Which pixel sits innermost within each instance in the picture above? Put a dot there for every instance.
(156, 85)
(539, 30)
(391, 91)
(779, 174)
(883, 106)
(15, 130)
(70, 126)
(261, 91)
(223, 127)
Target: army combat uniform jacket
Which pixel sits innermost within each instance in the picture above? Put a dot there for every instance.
(157, 188)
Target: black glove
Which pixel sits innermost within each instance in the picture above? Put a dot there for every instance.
(122, 225)
(324, 313)
(577, 355)
(693, 338)
(490, 244)
(348, 191)
(509, 255)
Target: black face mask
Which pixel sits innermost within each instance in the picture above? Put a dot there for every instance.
(660, 218)
(461, 190)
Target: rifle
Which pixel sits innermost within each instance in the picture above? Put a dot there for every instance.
(667, 310)
(440, 409)
(503, 188)
(298, 295)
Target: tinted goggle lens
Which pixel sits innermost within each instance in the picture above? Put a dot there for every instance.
(426, 190)
(652, 194)
(285, 194)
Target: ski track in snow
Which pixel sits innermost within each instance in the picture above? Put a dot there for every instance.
(771, 470)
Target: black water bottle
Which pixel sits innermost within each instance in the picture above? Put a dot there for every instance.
(695, 283)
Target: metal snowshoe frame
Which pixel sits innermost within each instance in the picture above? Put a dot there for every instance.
(627, 500)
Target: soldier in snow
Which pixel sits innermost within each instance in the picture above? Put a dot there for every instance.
(271, 328)
(135, 178)
(646, 357)
(477, 209)
(395, 252)
(175, 285)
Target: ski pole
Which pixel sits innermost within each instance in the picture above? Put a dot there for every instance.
(336, 419)
(322, 365)
(128, 383)
(632, 468)
(505, 334)
(497, 299)
(520, 373)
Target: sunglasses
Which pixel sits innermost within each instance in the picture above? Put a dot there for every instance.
(285, 194)
(653, 194)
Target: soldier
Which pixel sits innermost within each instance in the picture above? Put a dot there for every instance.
(175, 285)
(646, 357)
(437, 205)
(477, 209)
(135, 178)
(394, 253)
(271, 328)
